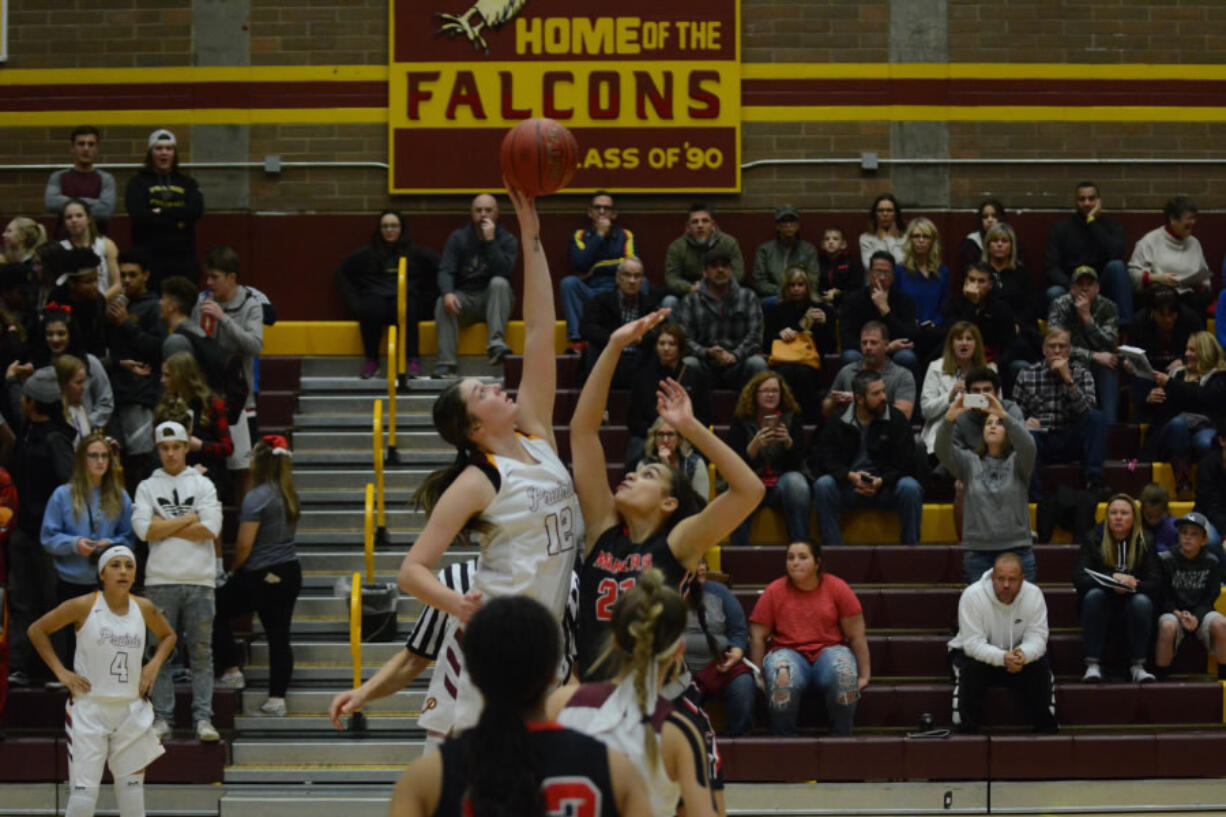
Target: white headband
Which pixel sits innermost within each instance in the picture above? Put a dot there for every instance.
(114, 552)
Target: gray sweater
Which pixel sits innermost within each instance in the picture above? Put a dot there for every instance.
(996, 513)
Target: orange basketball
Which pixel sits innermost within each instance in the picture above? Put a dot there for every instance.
(539, 156)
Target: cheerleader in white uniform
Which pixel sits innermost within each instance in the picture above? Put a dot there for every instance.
(108, 718)
(507, 483)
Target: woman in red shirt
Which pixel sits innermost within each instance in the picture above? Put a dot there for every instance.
(816, 630)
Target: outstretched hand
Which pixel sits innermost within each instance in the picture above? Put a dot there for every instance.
(525, 212)
(673, 404)
(628, 333)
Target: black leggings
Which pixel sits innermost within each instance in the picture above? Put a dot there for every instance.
(376, 312)
(273, 602)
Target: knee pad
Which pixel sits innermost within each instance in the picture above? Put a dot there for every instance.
(82, 801)
(130, 794)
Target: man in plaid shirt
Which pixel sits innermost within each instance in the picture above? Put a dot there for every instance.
(1057, 397)
(723, 321)
(1093, 323)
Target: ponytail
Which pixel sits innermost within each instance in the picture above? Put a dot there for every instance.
(511, 648)
(696, 598)
(453, 424)
(647, 621)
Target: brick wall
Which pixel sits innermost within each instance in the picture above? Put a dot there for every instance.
(126, 33)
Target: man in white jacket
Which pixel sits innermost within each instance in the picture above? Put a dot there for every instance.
(1002, 641)
(177, 512)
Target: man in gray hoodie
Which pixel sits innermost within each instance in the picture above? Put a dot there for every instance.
(1002, 641)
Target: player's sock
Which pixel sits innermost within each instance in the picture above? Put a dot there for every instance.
(130, 794)
(82, 801)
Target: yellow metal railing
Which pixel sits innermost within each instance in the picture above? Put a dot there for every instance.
(355, 627)
(392, 456)
(401, 367)
(368, 538)
(713, 555)
(377, 450)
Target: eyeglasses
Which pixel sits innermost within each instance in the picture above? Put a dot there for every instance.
(665, 435)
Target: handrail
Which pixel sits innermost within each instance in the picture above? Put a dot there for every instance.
(714, 556)
(377, 450)
(355, 627)
(392, 338)
(402, 287)
(368, 533)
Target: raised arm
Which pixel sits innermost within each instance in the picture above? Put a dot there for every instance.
(539, 384)
(587, 454)
(693, 537)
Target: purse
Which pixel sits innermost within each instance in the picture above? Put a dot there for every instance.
(801, 350)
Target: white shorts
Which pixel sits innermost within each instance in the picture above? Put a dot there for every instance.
(240, 434)
(116, 732)
(438, 711)
(1202, 632)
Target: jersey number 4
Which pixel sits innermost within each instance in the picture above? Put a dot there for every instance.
(607, 596)
(560, 531)
(119, 667)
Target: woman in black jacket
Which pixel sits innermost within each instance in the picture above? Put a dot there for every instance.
(1123, 594)
(1182, 408)
(164, 206)
(769, 434)
(665, 363)
(366, 280)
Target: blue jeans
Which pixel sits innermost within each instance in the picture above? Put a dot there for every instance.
(576, 292)
(1114, 283)
(830, 497)
(1176, 441)
(738, 697)
(791, 495)
(1107, 385)
(833, 673)
(977, 562)
(1100, 606)
(189, 608)
(1088, 438)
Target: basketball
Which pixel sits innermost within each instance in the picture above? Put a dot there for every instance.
(539, 156)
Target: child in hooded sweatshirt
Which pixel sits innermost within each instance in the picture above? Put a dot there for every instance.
(177, 512)
(1191, 581)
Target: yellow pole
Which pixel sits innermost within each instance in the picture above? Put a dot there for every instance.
(368, 539)
(402, 283)
(392, 456)
(377, 449)
(355, 627)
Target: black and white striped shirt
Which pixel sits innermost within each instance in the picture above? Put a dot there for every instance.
(430, 631)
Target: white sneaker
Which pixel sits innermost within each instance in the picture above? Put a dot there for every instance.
(161, 729)
(231, 680)
(206, 733)
(1142, 676)
(274, 707)
(1093, 674)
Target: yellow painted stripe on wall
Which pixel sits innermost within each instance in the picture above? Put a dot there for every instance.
(974, 113)
(979, 70)
(190, 116)
(190, 73)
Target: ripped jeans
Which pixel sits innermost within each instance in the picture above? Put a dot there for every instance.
(788, 675)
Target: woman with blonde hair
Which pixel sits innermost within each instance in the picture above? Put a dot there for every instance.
(210, 443)
(768, 432)
(1002, 255)
(946, 376)
(627, 713)
(85, 516)
(795, 313)
(923, 277)
(265, 577)
(21, 237)
(1121, 596)
(1182, 407)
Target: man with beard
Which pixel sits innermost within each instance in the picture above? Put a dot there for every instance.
(685, 260)
(866, 458)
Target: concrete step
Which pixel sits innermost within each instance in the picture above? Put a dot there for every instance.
(331, 677)
(318, 498)
(315, 702)
(306, 651)
(399, 519)
(363, 419)
(375, 386)
(301, 725)
(305, 801)
(161, 799)
(343, 563)
(395, 478)
(352, 366)
(332, 440)
(339, 759)
(431, 459)
(359, 404)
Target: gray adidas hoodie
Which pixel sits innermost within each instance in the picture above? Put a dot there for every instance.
(996, 511)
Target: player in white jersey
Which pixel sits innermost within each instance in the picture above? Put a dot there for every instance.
(434, 640)
(507, 482)
(108, 718)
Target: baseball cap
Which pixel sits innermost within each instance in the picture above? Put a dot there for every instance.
(162, 136)
(1083, 271)
(1193, 518)
(714, 255)
(785, 212)
(42, 386)
(169, 431)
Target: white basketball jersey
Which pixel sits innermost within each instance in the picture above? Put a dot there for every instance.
(110, 649)
(536, 528)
